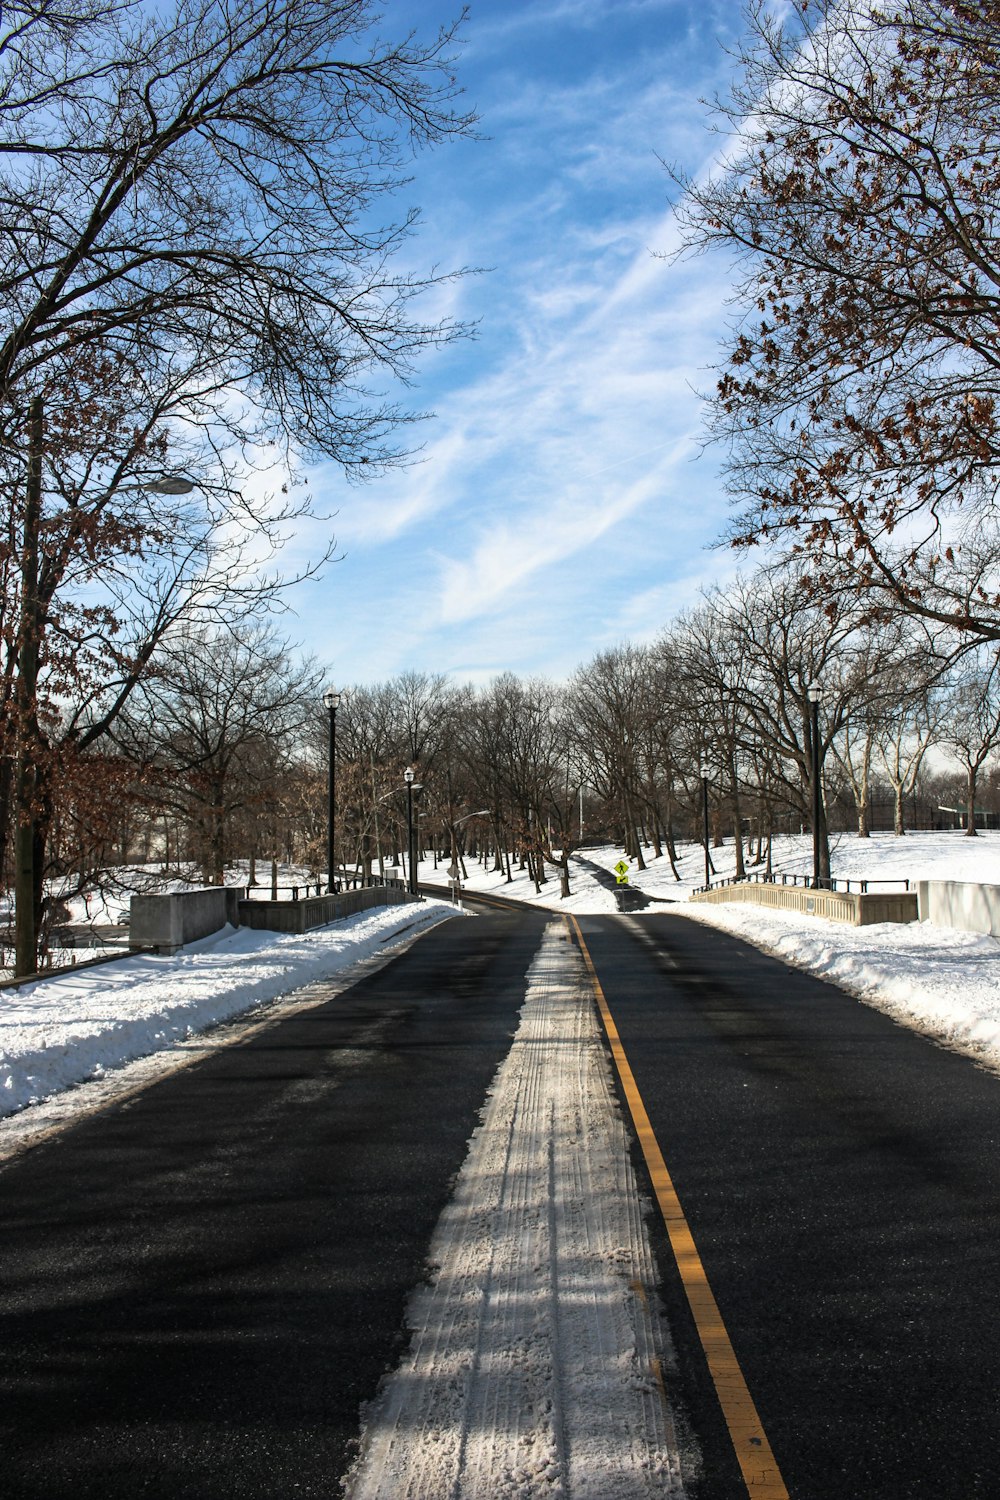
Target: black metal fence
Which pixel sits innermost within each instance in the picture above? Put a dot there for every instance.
(264, 890)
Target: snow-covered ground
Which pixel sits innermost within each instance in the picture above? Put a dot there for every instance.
(86, 1023)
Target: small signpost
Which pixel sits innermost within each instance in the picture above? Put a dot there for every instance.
(621, 871)
(455, 881)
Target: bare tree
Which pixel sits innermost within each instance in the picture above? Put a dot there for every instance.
(218, 723)
(196, 187)
(608, 701)
(858, 397)
(971, 721)
(777, 644)
(903, 741)
(192, 267)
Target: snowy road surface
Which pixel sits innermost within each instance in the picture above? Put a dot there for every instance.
(535, 1365)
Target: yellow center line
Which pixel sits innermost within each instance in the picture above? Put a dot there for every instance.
(757, 1463)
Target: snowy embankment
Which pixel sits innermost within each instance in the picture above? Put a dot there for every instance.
(534, 1365)
(80, 1025)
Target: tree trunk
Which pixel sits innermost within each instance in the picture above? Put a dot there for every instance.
(863, 798)
(970, 811)
(216, 872)
(734, 792)
(671, 846)
(897, 812)
(27, 876)
(824, 841)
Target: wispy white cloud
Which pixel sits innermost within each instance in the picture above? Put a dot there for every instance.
(559, 481)
(509, 554)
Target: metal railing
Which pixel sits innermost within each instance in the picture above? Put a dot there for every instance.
(268, 892)
(832, 883)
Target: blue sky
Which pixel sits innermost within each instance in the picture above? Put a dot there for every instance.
(561, 502)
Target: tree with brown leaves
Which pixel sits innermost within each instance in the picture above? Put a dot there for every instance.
(859, 398)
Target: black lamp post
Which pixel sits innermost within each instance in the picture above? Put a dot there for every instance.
(814, 693)
(331, 700)
(704, 818)
(411, 872)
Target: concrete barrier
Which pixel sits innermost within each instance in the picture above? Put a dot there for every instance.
(164, 923)
(317, 911)
(960, 903)
(854, 907)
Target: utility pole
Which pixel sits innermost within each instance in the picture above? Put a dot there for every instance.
(26, 708)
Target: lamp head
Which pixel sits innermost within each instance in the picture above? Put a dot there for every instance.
(169, 484)
(814, 692)
(408, 775)
(331, 699)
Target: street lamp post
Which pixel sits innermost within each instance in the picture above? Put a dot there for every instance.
(704, 818)
(814, 693)
(408, 777)
(331, 700)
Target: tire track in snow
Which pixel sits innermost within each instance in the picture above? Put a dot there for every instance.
(533, 1365)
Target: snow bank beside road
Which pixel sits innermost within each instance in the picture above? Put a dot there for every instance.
(87, 1022)
(63, 1030)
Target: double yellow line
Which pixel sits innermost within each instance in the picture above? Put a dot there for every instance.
(757, 1463)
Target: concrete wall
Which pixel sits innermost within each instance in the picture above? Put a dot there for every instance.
(317, 911)
(960, 903)
(860, 910)
(165, 923)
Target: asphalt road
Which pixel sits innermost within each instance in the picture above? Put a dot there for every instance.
(200, 1286)
(841, 1176)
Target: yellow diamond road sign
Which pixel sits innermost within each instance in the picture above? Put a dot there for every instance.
(621, 870)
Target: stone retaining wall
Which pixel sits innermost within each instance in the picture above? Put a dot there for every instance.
(317, 911)
(164, 923)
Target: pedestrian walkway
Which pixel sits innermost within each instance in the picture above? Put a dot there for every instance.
(627, 896)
